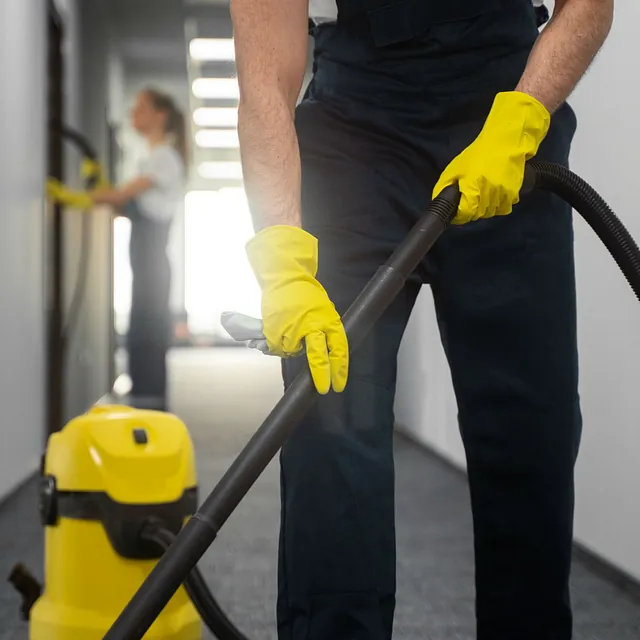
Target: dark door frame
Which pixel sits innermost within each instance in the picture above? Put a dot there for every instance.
(55, 169)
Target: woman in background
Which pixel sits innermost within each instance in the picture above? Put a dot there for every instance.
(150, 201)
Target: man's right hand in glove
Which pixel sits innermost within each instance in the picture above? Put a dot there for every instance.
(270, 39)
(296, 311)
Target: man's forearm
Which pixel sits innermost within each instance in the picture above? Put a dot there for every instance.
(270, 161)
(271, 56)
(565, 49)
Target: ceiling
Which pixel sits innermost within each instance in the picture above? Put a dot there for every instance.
(150, 33)
(152, 37)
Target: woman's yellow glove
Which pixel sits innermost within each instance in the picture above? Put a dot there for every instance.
(490, 171)
(93, 169)
(296, 311)
(57, 192)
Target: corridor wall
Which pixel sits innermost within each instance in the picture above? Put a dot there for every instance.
(22, 158)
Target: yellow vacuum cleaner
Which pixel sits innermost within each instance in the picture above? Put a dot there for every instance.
(108, 476)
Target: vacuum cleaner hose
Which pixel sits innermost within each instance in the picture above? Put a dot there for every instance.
(88, 152)
(175, 566)
(595, 211)
(196, 587)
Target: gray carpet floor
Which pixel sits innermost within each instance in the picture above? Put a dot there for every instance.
(223, 396)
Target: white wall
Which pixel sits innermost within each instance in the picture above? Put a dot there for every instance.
(605, 153)
(425, 403)
(22, 157)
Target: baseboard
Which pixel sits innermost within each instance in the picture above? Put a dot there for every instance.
(600, 567)
(430, 452)
(13, 491)
(610, 573)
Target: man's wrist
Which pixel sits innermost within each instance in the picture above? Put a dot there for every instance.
(545, 102)
(263, 222)
(534, 100)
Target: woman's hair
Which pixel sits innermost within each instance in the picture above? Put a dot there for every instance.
(175, 124)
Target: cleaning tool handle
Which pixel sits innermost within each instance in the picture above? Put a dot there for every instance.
(200, 531)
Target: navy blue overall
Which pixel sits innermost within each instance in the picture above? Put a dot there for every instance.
(388, 107)
(150, 321)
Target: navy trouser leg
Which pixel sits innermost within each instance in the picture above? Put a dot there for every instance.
(149, 332)
(505, 300)
(337, 546)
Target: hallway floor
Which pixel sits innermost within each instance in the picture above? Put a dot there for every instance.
(223, 395)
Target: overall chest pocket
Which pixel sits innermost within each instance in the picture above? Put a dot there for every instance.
(393, 22)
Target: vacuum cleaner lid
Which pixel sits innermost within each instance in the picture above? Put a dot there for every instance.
(134, 456)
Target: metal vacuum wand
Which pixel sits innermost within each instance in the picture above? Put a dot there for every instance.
(201, 530)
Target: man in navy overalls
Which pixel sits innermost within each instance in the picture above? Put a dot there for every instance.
(409, 96)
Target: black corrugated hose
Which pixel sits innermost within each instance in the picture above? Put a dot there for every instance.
(206, 605)
(596, 212)
(177, 565)
(75, 307)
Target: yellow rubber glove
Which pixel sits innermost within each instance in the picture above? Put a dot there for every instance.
(296, 311)
(57, 192)
(490, 171)
(93, 169)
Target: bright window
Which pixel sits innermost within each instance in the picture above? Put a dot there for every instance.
(121, 274)
(217, 273)
(212, 49)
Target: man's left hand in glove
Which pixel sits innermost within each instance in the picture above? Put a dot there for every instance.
(490, 171)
